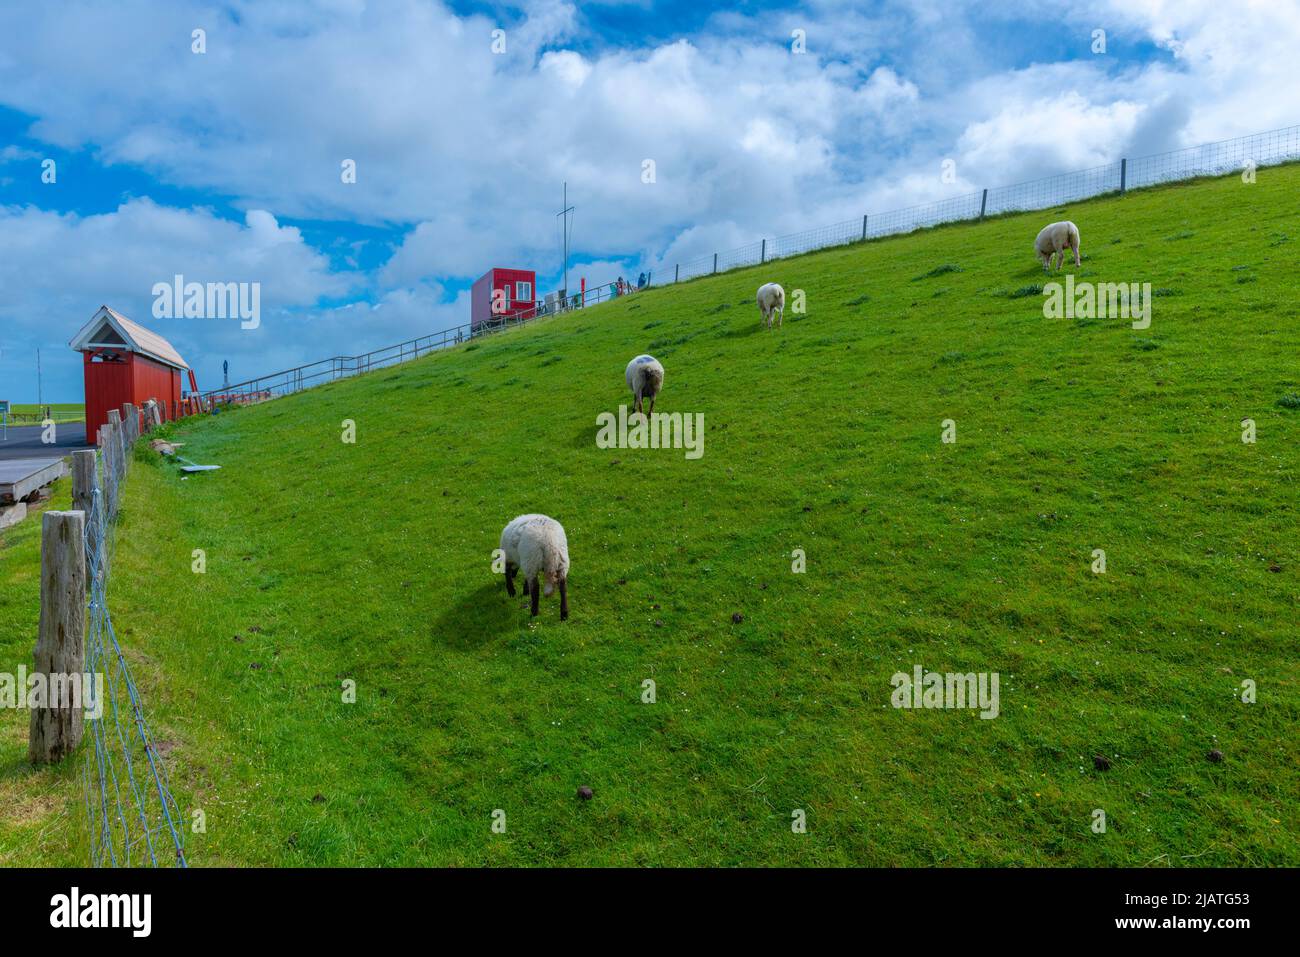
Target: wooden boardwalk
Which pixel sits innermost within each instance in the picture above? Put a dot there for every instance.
(20, 477)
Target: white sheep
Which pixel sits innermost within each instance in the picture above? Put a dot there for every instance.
(645, 377)
(1054, 240)
(771, 299)
(536, 544)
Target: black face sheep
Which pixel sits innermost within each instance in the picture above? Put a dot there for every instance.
(771, 301)
(535, 544)
(1054, 240)
(645, 377)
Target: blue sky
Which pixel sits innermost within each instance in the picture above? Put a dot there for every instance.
(224, 166)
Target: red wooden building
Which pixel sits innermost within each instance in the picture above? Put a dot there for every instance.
(516, 290)
(125, 362)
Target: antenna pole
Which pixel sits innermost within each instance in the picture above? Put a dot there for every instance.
(565, 211)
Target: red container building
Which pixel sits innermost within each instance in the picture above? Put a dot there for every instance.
(515, 289)
(125, 362)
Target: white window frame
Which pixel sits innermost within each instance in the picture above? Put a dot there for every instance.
(520, 287)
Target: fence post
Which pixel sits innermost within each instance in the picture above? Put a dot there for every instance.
(677, 272)
(762, 256)
(84, 483)
(83, 480)
(984, 203)
(128, 419)
(108, 442)
(118, 441)
(864, 226)
(56, 723)
(715, 263)
(1123, 175)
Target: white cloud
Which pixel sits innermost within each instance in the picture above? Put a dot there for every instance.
(465, 151)
(570, 68)
(56, 269)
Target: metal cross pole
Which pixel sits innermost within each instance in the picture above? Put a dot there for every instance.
(564, 229)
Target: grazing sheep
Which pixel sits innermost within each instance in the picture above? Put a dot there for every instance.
(536, 544)
(645, 377)
(771, 299)
(1054, 240)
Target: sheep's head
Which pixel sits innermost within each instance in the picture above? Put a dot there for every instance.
(551, 581)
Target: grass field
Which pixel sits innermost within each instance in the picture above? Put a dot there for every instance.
(329, 561)
(31, 413)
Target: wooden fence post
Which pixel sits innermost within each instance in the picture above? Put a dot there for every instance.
(83, 492)
(83, 481)
(115, 429)
(762, 257)
(1123, 175)
(60, 646)
(117, 432)
(108, 445)
(715, 262)
(864, 225)
(984, 202)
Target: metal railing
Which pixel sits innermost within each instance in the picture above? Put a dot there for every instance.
(1211, 159)
(289, 381)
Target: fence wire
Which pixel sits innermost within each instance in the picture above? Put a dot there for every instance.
(134, 819)
(1211, 159)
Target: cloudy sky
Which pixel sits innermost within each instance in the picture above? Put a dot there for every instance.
(225, 165)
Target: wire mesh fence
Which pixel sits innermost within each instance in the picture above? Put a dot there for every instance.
(1211, 159)
(133, 818)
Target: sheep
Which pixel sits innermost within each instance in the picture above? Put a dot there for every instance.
(771, 299)
(645, 377)
(536, 544)
(1054, 240)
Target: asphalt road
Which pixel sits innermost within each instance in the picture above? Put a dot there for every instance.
(24, 441)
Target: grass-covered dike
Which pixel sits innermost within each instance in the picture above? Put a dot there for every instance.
(371, 562)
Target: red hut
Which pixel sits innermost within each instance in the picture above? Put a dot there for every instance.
(514, 289)
(125, 362)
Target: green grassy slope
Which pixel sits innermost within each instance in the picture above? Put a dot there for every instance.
(41, 817)
(328, 561)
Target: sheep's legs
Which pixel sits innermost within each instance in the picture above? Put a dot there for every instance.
(510, 579)
(652, 405)
(564, 588)
(534, 590)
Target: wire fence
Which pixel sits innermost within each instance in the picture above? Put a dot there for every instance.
(133, 818)
(1211, 159)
